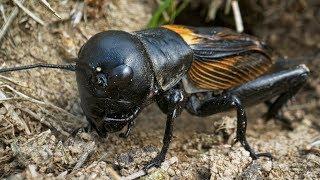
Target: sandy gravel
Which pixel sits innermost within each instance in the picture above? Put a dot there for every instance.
(35, 136)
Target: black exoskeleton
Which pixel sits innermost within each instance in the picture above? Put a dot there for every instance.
(119, 73)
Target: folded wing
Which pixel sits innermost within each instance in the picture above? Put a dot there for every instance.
(224, 59)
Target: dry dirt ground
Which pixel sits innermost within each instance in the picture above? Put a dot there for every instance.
(35, 126)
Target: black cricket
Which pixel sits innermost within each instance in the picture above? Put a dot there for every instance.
(202, 70)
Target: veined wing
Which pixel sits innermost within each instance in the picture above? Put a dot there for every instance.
(223, 58)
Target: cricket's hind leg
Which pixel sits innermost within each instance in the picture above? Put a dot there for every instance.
(274, 108)
(278, 116)
(223, 103)
(284, 84)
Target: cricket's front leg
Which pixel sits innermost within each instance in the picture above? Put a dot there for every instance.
(175, 101)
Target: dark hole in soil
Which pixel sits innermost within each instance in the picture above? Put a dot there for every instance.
(195, 14)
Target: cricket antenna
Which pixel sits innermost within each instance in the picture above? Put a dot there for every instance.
(69, 67)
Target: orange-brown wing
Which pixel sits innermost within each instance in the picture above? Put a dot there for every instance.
(229, 72)
(223, 58)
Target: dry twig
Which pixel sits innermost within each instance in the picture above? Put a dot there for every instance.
(227, 8)
(3, 13)
(87, 152)
(77, 13)
(15, 82)
(46, 122)
(15, 117)
(134, 175)
(33, 170)
(47, 5)
(42, 135)
(213, 8)
(165, 165)
(313, 147)
(10, 19)
(31, 14)
(237, 15)
(25, 97)
(114, 175)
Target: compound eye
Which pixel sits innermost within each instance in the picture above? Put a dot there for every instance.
(121, 75)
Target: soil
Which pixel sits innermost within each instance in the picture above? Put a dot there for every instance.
(37, 128)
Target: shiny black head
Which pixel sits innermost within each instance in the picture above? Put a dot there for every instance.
(114, 78)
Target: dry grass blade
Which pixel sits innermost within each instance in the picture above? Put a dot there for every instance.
(213, 8)
(33, 170)
(134, 175)
(46, 122)
(25, 97)
(19, 83)
(313, 147)
(31, 14)
(87, 152)
(42, 135)
(77, 14)
(6, 156)
(102, 157)
(3, 13)
(227, 7)
(114, 175)
(8, 130)
(165, 166)
(315, 144)
(47, 5)
(237, 15)
(10, 19)
(15, 117)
